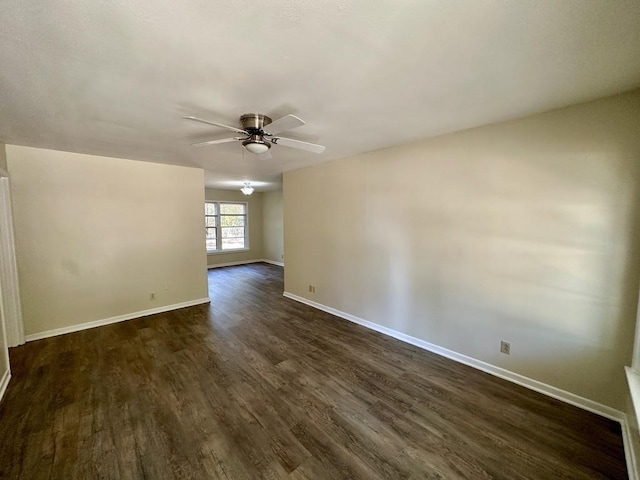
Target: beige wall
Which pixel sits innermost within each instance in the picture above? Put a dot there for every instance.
(272, 226)
(255, 225)
(95, 236)
(525, 231)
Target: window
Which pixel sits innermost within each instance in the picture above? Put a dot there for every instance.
(226, 226)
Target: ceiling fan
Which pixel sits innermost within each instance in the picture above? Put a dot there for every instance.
(258, 133)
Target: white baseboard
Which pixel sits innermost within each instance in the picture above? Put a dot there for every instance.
(108, 321)
(245, 262)
(231, 264)
(273, 262)
(4, 383)
(527, 382)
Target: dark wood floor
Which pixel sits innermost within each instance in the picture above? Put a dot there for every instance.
(259, 386)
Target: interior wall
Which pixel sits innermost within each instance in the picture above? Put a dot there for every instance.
(272, 226)
(524, 231)
(96, 236)
(254, 202)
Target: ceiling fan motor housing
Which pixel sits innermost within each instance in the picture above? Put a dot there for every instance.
(254, 122)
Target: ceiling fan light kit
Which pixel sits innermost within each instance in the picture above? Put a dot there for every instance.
(260, 133)
(256, 145)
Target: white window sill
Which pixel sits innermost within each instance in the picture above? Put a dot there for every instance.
(633, 379)
(222, 252)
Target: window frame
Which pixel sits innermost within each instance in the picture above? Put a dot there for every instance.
(218, 227)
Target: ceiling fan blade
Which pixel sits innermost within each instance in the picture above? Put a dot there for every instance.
(265, 156)
(233, 129)
(214, 142)
(283, 124)
(290, 142)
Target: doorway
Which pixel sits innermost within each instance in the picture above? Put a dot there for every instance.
(11, 308)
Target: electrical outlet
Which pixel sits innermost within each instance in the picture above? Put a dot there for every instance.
(312, 289)
(505, 347)
(152, 296)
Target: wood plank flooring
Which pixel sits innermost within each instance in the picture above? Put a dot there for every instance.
(259, 386)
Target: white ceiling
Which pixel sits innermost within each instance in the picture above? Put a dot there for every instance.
(115, 77)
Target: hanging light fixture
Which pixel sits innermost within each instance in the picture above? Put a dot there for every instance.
(247, 189)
